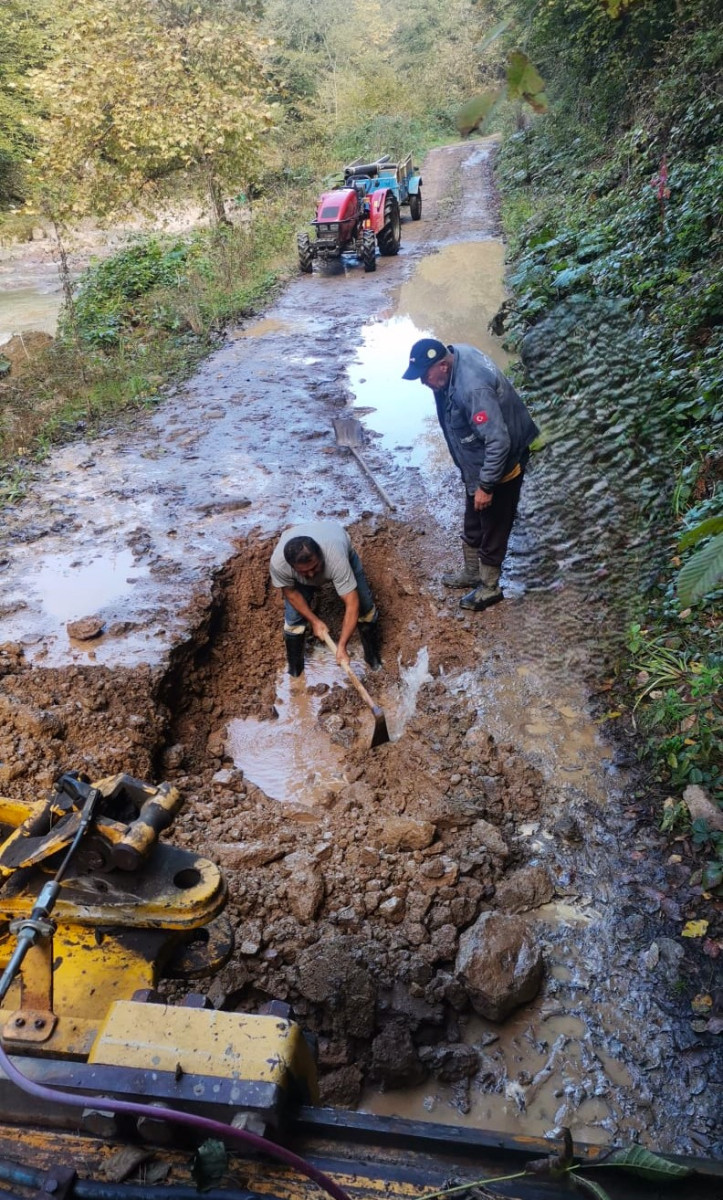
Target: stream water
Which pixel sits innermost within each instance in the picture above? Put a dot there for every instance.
(25, 310)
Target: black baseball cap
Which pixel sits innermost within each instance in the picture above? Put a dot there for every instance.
(423, 355)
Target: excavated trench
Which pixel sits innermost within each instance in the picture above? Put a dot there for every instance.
(354, 874)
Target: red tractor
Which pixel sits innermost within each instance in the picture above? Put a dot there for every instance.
(354, 218)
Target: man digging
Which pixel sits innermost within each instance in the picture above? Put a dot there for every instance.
(307, 556)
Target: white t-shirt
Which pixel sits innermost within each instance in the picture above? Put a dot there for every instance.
(333, 540)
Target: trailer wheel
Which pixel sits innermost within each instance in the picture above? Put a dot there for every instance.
(390, 235)
(306, 256)
(415, 205)
(369, 250)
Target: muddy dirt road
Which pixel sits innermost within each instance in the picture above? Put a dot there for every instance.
(353, 874)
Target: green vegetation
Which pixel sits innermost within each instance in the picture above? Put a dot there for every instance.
(613, 206)
(141, 318)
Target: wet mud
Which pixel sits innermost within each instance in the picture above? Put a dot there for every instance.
(354, 874)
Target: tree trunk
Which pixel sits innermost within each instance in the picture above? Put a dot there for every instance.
(218, 212)
(67, 286)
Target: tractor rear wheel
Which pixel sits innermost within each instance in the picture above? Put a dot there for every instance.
(390, 235)
(415, 205)
(369, 250)
(306, 257)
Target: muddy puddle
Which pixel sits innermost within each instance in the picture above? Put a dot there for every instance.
(353, 873)
(299, 755)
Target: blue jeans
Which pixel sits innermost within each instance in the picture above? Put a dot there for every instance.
(367, 612)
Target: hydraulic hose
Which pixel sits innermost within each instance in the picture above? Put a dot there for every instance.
(190, 1120)
(101, 1189)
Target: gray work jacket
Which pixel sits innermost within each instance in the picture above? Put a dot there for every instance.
(486, 426)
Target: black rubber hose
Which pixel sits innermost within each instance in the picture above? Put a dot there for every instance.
(97, 1189)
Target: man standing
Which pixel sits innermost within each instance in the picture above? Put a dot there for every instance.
(488, 431)
(306, 557)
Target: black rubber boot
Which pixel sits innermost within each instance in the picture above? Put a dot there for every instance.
(469, 576)
(295, 652)
(369, 635)
(487, 593)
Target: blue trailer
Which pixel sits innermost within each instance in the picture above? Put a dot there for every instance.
(401, 178)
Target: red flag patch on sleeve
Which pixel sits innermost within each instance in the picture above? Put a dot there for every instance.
(480, 418)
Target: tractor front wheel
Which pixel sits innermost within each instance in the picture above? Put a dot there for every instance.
(306, 257)
(369, 250)
(415, 206)
(390, 235)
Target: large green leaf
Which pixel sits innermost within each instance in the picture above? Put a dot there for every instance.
(493, 35)
(476, 110)
(590, 1186)
(705, 529)
(702, 572)
(523, 78)
(648, 1166)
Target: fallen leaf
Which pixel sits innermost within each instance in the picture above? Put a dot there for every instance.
(695, 929)
(124, 1162)
(702, 1004)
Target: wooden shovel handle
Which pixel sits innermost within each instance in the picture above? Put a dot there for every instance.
(352, 677)
(389, 503)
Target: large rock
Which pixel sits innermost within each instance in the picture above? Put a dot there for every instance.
(451, 1062)
(237, 855)
(405, 833)
(328, 974)
(499, 964)
(395, 1062)
(489, 836)
(305, 893)
(524, 889)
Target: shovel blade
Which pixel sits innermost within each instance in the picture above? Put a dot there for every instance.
(348, 431)
(381, 733)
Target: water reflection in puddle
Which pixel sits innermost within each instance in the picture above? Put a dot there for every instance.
(456, 293)
(69, 587)
(452, 295)
(292, 758)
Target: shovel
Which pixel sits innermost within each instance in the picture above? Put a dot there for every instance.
(381, 733)
(349, 433)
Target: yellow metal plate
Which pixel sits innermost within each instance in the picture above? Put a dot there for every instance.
(159, 1037)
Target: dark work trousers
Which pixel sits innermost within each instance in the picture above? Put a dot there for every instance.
(489, 529)
(295, 623)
